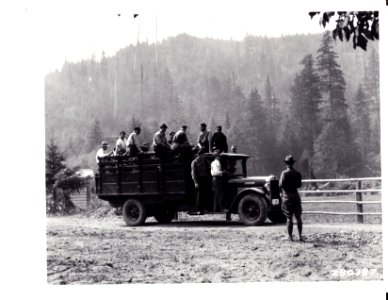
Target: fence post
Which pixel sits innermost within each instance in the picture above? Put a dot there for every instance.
(360, 217)
(88, 196)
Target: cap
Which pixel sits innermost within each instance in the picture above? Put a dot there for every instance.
(289, 159)
(163, 126)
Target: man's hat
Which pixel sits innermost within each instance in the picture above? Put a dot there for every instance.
(104, 143)
(163, 126)
(289, 160)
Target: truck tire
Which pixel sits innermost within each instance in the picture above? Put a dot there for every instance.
(277, 217)
(134, 212)
(165, 216)
(252, 209)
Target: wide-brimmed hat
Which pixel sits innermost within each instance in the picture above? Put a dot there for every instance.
(289, 160)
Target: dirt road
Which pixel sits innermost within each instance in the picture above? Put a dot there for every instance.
(89, 250)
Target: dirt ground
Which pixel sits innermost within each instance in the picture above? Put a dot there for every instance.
(102, 250)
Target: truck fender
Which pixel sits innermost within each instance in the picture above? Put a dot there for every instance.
(238, 197)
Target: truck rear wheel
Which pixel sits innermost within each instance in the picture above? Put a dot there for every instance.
(277, 217)
(165, 216)
(134, 212)
(252, 210)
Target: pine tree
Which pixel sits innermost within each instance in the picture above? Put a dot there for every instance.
(372, 93)
(362, 126)
(95, 136)
(227, 122)
(335, 146)
(304, 111)
(61, 181)
(271, 119)
(251, 134)
(55, 162)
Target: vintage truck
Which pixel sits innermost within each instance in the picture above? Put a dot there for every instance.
(146, 186)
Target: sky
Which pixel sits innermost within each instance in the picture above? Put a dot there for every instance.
(75, 32)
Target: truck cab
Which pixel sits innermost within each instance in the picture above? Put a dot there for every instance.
(146, 186)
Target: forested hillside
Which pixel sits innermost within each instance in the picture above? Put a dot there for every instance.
(305, 94)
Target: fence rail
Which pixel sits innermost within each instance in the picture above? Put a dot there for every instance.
(342, 179)
(358, 191)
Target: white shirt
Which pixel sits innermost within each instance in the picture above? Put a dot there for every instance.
(133, 139)
(215, 168)
(101, 153)
(121, 144)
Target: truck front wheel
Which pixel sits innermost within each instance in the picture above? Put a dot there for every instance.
(252, 210)
(134, 212)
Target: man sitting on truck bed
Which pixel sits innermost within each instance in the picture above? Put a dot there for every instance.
(133, 144)
(103, 151)
(160, 145)
(181, 145)
(121, 146)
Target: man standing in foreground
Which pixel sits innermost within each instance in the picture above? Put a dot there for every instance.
(290, 181)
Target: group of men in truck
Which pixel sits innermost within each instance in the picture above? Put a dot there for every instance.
(205, 183)
(163, 147)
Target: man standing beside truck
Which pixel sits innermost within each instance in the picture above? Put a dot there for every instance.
(200, 172)
(290, 181)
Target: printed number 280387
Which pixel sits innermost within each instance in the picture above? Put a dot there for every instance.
(353, 272)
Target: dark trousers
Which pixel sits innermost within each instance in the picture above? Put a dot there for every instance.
(162, 151)
(218, 189)
(133, 151)
(204, 193)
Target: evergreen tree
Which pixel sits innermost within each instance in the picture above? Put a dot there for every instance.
(362, 127)
(55, 162)
(95, 136)
(227, 122)
(335, 146)
(251, 134)
(372, 94)
(304, 111)
(272, 117)
(61, 181)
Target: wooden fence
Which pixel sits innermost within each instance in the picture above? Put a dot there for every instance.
(358, 191)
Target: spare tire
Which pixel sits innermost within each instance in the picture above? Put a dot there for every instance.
(252, 209)
(134, 212)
